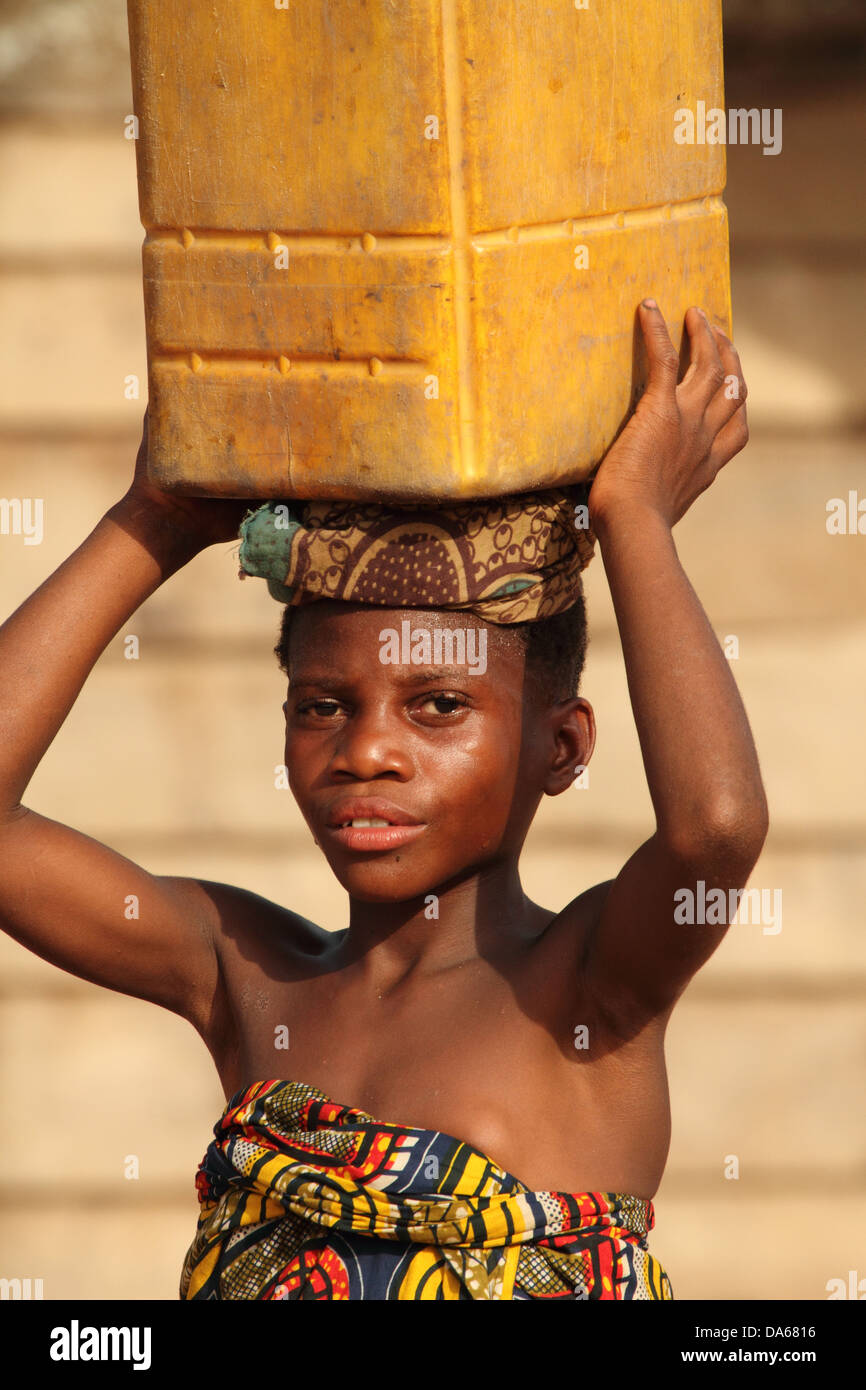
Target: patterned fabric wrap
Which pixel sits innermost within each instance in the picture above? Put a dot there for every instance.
(303, 1198)
(510, 559)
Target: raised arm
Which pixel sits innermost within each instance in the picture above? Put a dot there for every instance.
(700, 759)
(63, 894)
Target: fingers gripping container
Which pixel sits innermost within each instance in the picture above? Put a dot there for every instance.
(394, 248)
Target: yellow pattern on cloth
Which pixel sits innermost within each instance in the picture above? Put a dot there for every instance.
(304, 1198)
(509, 559)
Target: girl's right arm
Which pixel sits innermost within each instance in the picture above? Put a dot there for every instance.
(63, 894)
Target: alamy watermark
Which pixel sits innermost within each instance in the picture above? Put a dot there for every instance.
(441, 646)
(22, 516)
(738, 126)
(77, 1343)
(15, 1289)
(717, 907)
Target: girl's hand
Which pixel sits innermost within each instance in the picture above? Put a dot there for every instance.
(205, 520)
(679, 436)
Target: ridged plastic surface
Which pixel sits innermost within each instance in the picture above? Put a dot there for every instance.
(394, 248)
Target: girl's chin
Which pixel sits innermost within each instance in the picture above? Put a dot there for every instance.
(385, 883)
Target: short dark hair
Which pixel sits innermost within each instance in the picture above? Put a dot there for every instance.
(555, 648)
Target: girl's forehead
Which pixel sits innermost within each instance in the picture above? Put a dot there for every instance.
(373, 644)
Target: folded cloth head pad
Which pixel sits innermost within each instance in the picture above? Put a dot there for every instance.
(304, 1198)
(509, 559)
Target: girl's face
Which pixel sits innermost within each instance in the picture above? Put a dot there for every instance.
(463, 751)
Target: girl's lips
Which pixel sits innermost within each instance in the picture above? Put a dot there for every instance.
(376, 837)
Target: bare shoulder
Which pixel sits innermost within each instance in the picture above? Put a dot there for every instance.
(251, 936)
(237, 913)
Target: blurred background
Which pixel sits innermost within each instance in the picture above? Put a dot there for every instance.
(170, 759)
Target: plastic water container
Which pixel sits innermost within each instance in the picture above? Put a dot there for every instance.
(394, 248)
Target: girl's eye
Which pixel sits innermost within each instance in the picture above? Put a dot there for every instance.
(320, 707)
(444, 704)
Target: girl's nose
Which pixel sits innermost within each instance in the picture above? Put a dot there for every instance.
(370, 746)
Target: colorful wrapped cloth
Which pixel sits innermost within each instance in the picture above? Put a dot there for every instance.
(510, 559)
(301, 1197)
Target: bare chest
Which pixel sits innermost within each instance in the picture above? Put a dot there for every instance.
(524, 1069)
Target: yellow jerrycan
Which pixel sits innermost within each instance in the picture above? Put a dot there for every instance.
(394, 248)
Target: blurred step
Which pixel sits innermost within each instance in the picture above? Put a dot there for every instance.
(706, 1244)
(76, 197)
(132, 1252)
(89, 1063)
(756, 547)
(71, 338)
(802, 360)
(65, 60)
(808, 200)
(770, 1081)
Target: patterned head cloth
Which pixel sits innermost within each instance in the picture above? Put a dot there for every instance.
(508, 559)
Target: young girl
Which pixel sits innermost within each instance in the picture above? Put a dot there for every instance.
(476, 1104)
